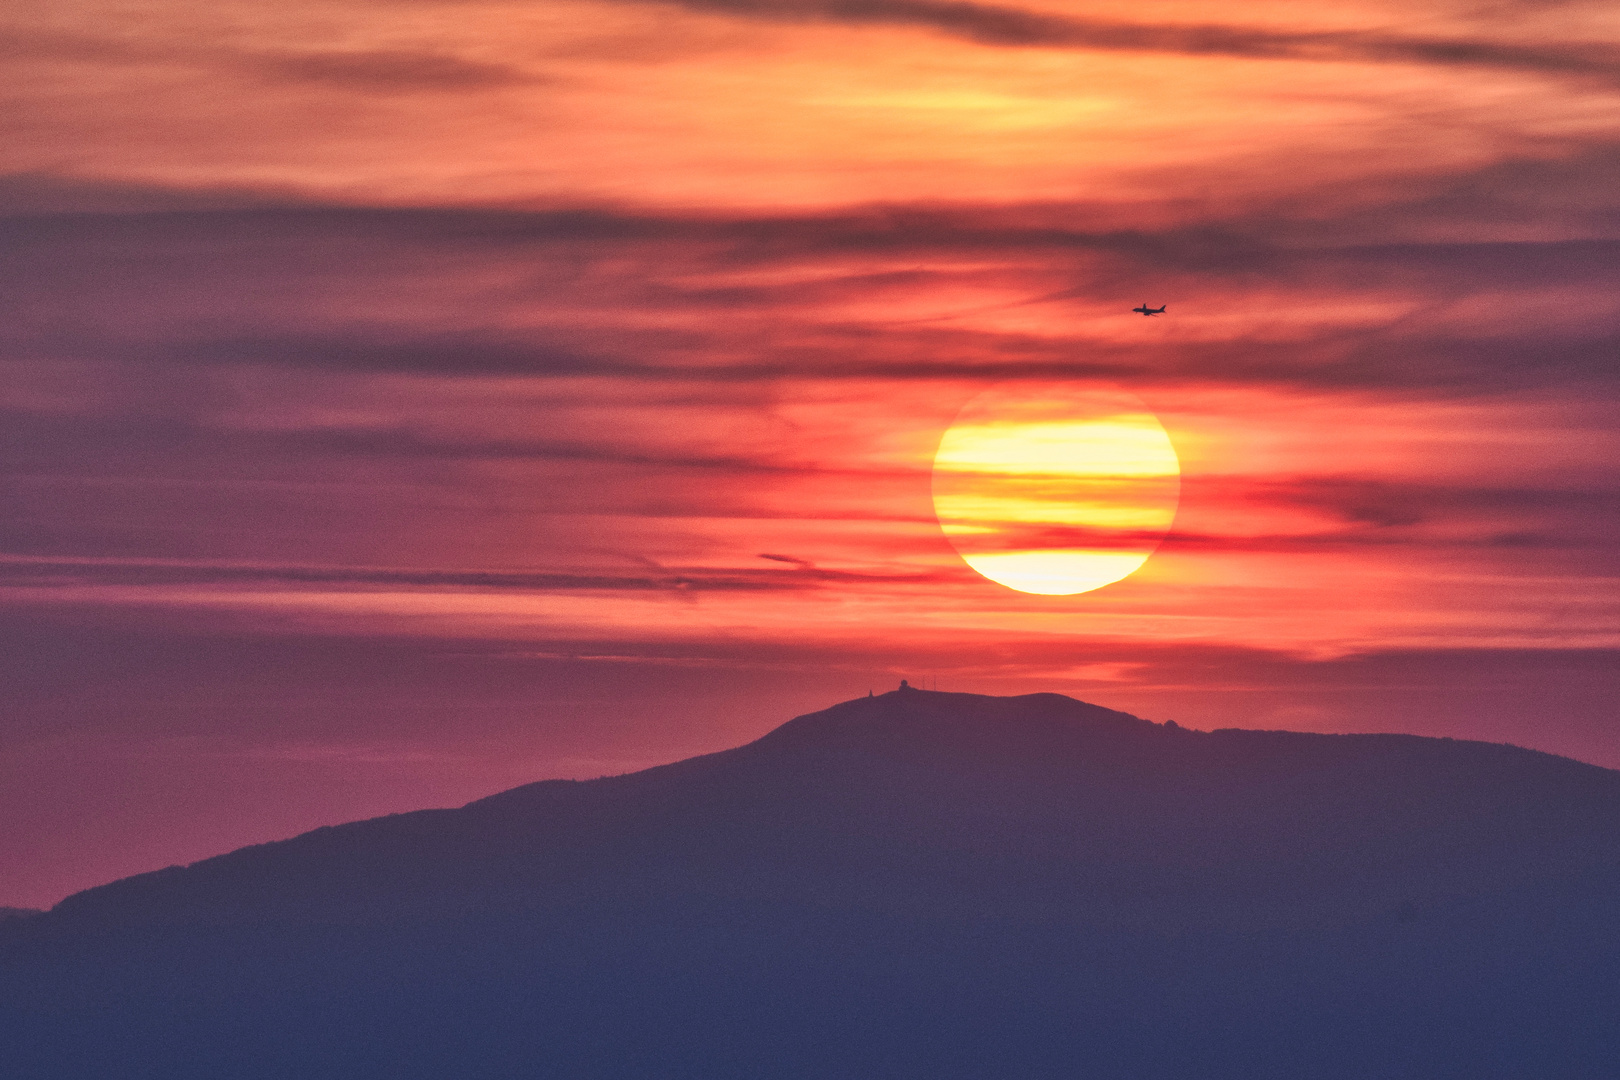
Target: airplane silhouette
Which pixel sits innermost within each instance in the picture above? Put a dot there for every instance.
(1145, 310)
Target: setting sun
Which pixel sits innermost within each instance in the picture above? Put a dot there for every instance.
(1057, 489)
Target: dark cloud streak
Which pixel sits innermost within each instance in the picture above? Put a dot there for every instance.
(45, 571)
(999, 25)
(768, 332)
(378, 70)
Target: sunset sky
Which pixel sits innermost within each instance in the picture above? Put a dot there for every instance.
(407, 400)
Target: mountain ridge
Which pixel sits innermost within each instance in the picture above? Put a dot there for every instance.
(960, 865)
(1040, 736)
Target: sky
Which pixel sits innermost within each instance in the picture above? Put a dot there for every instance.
(401, 401)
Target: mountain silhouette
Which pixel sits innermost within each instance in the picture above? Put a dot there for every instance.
(917, 884)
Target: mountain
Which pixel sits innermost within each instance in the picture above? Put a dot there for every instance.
(917, 884)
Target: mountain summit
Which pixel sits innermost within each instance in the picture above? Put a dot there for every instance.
(913, 884)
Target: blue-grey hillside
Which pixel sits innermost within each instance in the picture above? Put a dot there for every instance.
(913, 885)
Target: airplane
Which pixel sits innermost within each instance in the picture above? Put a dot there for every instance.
(1145, 310)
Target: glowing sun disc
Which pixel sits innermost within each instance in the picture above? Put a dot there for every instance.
(1056, 489)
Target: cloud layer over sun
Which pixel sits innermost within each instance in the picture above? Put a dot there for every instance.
(442, 395)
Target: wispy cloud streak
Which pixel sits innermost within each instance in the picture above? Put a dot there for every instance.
(1001, 25)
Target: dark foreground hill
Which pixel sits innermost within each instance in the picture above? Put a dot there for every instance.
(915, 885)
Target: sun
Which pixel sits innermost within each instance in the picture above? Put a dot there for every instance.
(1056, 489)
